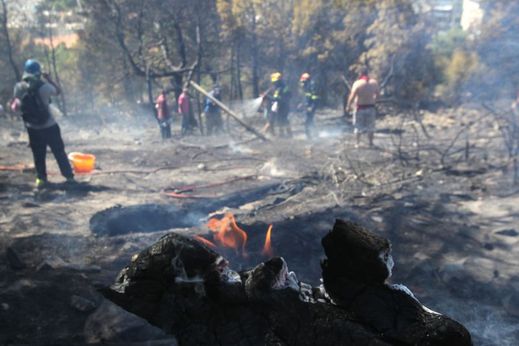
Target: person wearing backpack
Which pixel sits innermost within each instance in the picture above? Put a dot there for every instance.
(32, 97)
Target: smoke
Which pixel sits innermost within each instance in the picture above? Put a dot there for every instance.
(111, 122)
(247, 108)
(329, 133)
(272, 169)
(241, 149)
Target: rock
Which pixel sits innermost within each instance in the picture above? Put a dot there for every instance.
(82, 304)
(13, 259)
(5, 306)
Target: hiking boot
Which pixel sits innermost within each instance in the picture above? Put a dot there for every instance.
(40, 183)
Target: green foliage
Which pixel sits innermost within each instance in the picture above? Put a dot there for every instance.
(445, 43)
(457, 63)
(396, 48)
(458, 71)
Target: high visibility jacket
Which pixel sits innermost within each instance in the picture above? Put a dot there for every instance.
(310, 93)
(281, 95)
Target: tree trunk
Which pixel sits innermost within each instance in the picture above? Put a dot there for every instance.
(238, 73)
(8, 44)
(62, 101)
(150, 94)
(255, 64)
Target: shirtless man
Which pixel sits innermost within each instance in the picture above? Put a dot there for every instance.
(363, 95)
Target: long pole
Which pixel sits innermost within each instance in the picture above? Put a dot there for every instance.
(228, 111)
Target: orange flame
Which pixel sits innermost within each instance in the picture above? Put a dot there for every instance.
(227, 233)
(205, 241)
(267, 248)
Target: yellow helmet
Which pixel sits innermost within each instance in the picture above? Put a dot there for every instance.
(275, 77)
(304, 77)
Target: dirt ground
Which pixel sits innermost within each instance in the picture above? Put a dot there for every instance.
(437, 185)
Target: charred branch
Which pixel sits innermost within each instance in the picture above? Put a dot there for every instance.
(389, 75)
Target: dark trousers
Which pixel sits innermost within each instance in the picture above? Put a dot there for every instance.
(188, 124)
(39, 140)
(214, 123)
(165, 130)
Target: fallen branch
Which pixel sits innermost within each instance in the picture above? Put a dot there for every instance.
(230, 112)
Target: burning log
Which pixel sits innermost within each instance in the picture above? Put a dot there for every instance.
(187, 289)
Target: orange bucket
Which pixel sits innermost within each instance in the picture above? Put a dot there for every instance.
(82, 163)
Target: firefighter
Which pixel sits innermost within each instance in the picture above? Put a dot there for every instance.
(310, 102)
(280, 104)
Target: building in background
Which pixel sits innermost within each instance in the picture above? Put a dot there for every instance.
(472, 16)
(443, 15)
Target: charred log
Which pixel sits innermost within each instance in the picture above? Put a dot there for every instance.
(189, 290)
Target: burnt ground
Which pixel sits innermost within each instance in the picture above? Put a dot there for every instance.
(438, 186)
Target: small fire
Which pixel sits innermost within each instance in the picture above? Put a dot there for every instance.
(206, 242)
(227, 233)
(267, 248)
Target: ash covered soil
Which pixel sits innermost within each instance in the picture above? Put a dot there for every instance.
(437, 185)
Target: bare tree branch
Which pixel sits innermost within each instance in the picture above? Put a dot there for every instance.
(389, 74)
(138, 70)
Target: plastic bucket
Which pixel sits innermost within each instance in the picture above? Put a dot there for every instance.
(82, 163)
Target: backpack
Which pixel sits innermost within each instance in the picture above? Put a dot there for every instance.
(34, 110)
